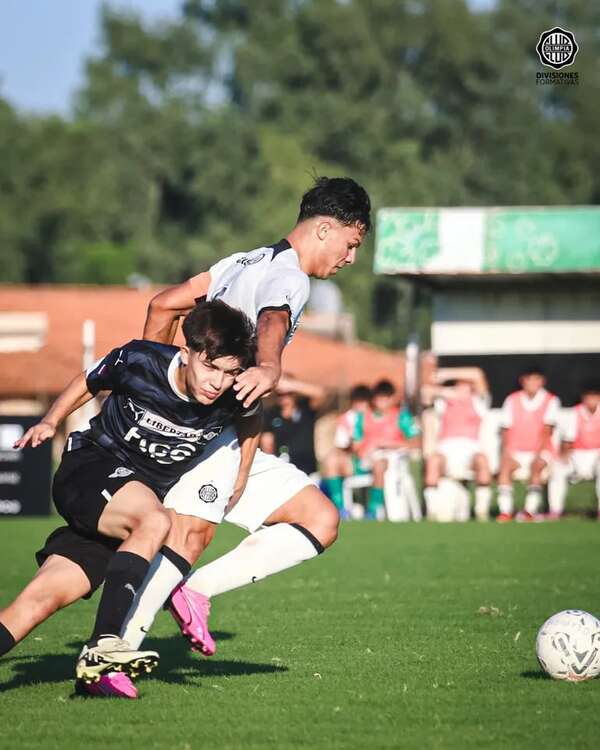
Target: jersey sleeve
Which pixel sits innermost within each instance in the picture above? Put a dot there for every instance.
(343, 430)
(107, 374)
(283, 290)
(506, 417)
(407, 424)
(219, 268)
(568, 427)
(552, 412)
(482, 403)
(439, 406)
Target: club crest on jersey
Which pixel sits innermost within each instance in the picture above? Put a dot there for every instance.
(246, 261)
(208, 493)
(120, 471)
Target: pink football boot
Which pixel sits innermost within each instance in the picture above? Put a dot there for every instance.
(191, 610)
(111, 685)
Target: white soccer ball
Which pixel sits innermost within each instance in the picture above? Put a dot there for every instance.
(568, 646)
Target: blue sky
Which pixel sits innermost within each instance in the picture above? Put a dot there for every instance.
(44, 43)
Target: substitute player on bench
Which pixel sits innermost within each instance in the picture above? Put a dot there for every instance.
(528, 419)
(579, 458)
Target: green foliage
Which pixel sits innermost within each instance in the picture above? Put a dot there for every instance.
(196, 137)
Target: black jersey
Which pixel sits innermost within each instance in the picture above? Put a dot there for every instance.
(146, 422)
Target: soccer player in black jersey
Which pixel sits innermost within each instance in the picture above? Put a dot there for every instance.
(165, 406)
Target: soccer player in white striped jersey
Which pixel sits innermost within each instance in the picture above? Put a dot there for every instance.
(288, 518)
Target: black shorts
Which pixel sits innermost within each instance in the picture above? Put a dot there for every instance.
(85, 482)
(92, 555)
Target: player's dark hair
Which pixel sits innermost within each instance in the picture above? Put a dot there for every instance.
(219, 330)
(383, 388)
(360, 393)
(339, 197)
(590, 386)
(532, 369)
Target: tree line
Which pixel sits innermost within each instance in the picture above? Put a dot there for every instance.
(195, 137)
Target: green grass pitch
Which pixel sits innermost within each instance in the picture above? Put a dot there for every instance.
(382, 642)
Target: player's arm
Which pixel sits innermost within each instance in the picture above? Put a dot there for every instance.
(267, 443)
(506, 420)
(429, 393)
(566, 446)
(271, 329)
(568, 433)
(551, 418)
(473, 374)
(315, 394)
(248, 430)
(168, 306)
(74, 395)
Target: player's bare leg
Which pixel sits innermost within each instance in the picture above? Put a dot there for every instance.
(435, 468)
(298, 530)
(506, 504)
(135, 515)
(376, 499)
(533, 498)
(483, 491)
(336, 465)
(58, 583)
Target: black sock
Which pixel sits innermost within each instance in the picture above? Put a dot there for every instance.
(124, 575)
(7, 642)
(178, 561)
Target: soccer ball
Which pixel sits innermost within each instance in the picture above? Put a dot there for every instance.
(568, 646)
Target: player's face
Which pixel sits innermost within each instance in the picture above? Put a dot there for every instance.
(206, 380)
(359, 405)
(464, 388)
(337, 246)
(591, 401)
(381, 402)
(532, 383)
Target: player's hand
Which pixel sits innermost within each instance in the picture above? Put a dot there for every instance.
(36, 435)
(255, 383)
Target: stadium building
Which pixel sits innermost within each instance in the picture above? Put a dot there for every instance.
(505, 287)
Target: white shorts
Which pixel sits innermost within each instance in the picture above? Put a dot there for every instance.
(525, 460)
(459, 453)
(584, 464)
(204, 491)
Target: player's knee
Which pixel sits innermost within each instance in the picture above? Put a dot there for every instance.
(379, 468)
(330, 464)
(155, 525)
(329, 524)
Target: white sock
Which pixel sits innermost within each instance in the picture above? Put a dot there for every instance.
(483, 500)
(533, 499)
(162, 578)
(269, 550)
(431, 501)
(505, 499)
(557, 488)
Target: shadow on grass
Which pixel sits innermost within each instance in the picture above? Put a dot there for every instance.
(178, 665)
(535, 675)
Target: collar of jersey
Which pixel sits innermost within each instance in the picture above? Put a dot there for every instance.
(175, 363)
